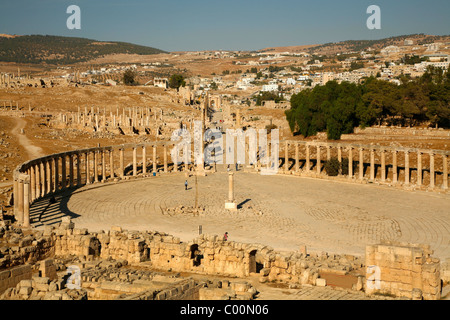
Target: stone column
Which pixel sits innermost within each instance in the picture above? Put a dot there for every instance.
(230, 204)
(339, 149)
(394, 166)
(175, 162)
(361, 164)
(78, 169)
(63, 172)
(103, 165)
(165, 158)
(432, 172)
(308, 165)
(43, 178)
(121, 165)
(372, 164)
(87, 167)
(56, 164)
(286, 157)
(350, 162)
(111, 163)
(16, 193)
(96, 166)
(144, 160)
(328, 153)
(318, 160)
(419, 168)
(20, 198)
(445, 169)
(297, 160)
(406, 167)
(154, 159)
(26, 202)
(231, 187)
(49, 176)
(71, 170)
(134, 161)
(383, 165)
(32, 183)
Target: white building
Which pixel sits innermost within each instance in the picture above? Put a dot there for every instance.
(270, 87)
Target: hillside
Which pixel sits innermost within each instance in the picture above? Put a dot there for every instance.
(63, 50)
(360, 45)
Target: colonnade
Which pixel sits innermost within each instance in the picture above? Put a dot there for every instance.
(49, 175)
(291, 165)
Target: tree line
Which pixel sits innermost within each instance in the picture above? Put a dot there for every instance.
(338, 108)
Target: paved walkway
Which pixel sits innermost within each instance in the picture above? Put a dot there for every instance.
(281, 211)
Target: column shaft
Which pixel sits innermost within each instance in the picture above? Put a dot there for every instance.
(445, 171)
(144, 160)
(134, 161)
(432, 172)
(372, 165)
(350, 163)
(154, 159)
(121, 165)
(406, 167)
(318, 165)
(419, 168)
(394, 166)
(111, 163)
(361, 164)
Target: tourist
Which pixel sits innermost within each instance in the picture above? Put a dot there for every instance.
(225, 236)
(185, 185)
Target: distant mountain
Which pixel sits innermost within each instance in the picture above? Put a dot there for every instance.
(63, 50)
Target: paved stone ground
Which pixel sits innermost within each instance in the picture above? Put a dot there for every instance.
(281, 211)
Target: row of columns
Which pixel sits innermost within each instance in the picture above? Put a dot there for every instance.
(42, 176)
(361, 150)
(49, 175)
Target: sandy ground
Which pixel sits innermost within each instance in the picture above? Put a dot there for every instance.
(283, 212)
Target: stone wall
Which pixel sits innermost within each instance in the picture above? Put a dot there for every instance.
(10, 278)
(405, 270)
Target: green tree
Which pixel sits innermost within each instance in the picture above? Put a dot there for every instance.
(176, 81)
(129, 77)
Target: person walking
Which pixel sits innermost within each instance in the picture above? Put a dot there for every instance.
(185, 185)
(225, 236)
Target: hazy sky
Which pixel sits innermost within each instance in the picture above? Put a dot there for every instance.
(229, 25)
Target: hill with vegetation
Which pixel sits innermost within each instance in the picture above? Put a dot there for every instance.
(63, 50)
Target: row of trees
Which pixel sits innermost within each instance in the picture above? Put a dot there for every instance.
(338, 108)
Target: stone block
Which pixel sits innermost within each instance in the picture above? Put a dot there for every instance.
(321, 282)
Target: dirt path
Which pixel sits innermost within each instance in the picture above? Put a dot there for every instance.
(32, 150)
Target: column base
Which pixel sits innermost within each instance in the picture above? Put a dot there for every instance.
(232, 206)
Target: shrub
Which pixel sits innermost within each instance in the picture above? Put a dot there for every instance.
(332, 167)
